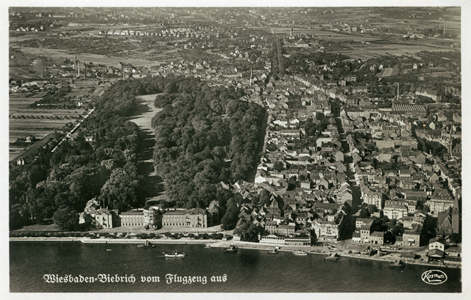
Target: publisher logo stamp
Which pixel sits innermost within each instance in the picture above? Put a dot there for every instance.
(434, 277)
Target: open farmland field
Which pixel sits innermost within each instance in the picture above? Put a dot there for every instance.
(25, 122)
(371, 51)
(366, 46)
(17, 103)
(32, 113)
(78, 93)
(324, 34)
(17, 133)
(16, 153)
(33, 124)
(20, 73)
(98, 92)
(94, 58)
(17, 113)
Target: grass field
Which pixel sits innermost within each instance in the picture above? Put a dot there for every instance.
(147, 111)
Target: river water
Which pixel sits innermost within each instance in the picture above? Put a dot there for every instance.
(245, 271)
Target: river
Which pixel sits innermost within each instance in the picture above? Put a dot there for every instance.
(244, 271)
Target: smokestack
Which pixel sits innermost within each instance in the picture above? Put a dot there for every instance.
(398, 91)
(251, 75)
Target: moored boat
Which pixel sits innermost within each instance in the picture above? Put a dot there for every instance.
(174, 254)
(274, 251)
(398, 264)
(332, 256)
(231, 249)
(300, 253)
(147, 244)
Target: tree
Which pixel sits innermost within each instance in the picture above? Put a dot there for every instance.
(364, 213)
(229, 221)
(313, 236)
(249, 232)
(425, 209)
(120, 191)
(278, 166)
(16, 219)
(66, 218)
(455, 238)
(395, 227)
(256, 200)
(264, 197)
(372, 208)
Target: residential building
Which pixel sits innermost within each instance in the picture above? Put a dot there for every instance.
(362, 230)
(274, 227)
(411, 237)
(395, 209)
(329, 228)
(372, 197)
(377, 238)
(436, 244)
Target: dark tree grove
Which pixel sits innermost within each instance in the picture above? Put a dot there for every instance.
(204, 135)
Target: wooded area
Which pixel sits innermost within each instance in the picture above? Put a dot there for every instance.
(205, 135)
(105, 169)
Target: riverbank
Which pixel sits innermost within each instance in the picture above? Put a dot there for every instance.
(225, 244)
(111, 241)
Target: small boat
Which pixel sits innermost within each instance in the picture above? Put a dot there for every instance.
(398, 264)
(207, 246)
(332, 256)
(231, 249)
(108, 249)
(274, 251)
(300, 253)
(146, 245)
(174, 254)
